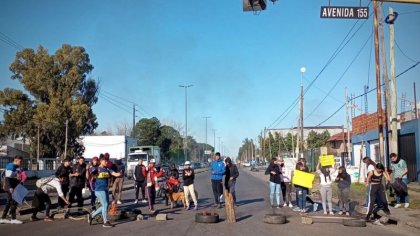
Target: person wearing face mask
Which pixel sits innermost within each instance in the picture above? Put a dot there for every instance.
(326, 189)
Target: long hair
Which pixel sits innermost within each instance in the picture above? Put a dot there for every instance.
(342, 172)
(326, 172)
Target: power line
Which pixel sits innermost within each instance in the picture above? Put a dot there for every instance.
(9, 41)
(409, 58)
(341, 77)
(113, 103)
(128, 101)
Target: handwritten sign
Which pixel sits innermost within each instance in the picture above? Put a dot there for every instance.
(327, 160)
(303, 179)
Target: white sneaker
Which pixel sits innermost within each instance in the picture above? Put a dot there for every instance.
(377, 222)
(119, 202)
(290, 205)
(16, 222)
(325, 213)
(331, 213)
(4, 221)
(340, 212)
(136, 201)
(406, 205)
(397, 206)
(144, 201)
(285, 205)
(315, 207)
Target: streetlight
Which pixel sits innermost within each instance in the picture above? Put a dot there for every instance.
(302, 70)
(186, 119)
(205, 147)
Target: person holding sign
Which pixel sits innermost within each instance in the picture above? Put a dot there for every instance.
(301, 191)
(326, 189)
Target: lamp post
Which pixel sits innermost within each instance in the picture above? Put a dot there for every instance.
(186, 120)
(205, 147)
(302, 70)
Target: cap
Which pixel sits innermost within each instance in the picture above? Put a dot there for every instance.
(152, 161)
(187, 163)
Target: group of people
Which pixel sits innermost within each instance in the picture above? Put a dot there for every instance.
(220, 168)
(376, 176)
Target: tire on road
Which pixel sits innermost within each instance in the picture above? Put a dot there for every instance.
(274, 219)
(200, 218)
(354, 223)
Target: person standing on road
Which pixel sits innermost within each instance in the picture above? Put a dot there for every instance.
(232, 174)
(41, 198)
(152, 176)
(301, 192)
(217, 172)
(399, 173)
(326, 188)
(91, 180)
(343, 181)
(370, 166)
(12, 179)
(117, 186)
(77, 182)
(64, 170)
(101, 191)
(140, 181)
(377, 190)
(274, 171)
(188, 177)
(286, 180)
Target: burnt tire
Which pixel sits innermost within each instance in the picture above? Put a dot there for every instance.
(274, 219)
(354, 223)
(200, 218)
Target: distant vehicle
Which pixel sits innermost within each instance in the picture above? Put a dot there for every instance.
(196, 165)
(145, 153)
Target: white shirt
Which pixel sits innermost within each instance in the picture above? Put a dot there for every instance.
(53, 185)
(369, 168)
(326, 181)
(286, 173)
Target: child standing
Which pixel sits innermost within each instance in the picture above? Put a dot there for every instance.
(326, 189)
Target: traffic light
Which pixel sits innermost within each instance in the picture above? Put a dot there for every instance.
(254, 5)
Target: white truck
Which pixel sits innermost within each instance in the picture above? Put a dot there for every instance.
(144, 153)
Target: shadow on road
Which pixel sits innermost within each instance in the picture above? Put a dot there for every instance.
(243, 218)
(249, 201)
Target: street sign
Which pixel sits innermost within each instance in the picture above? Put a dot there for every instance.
(345, 12)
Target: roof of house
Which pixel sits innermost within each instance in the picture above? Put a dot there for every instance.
(339, 137)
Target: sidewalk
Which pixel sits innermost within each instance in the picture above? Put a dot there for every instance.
(406, 216)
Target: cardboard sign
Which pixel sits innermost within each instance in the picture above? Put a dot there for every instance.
(327, 160)
(19, 193)
(302, 178)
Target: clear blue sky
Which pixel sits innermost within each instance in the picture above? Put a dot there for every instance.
(244, 67)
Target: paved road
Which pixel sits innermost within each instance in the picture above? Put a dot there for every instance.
(253, 205)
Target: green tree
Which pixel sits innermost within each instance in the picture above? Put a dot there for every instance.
(316, 140)
(59, 90)
(148, 131)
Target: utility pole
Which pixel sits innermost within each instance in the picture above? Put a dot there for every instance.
(214, 140)
(65, 145)
(415, 100)
(393, 86)
(219, 144)
(205, 146)
(37, 151)
(378, 83)
(134, 120)
(347, 147)
(186, 121)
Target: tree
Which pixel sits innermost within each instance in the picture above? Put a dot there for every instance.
(148, 131)
(316, 140)
(60, 91)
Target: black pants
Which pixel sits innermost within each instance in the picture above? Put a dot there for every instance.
(76, 191)
(65, 189)
(377, 195)
(10, 205)
(217, 187)
(151, 194)
(43, 201)
(140, 185)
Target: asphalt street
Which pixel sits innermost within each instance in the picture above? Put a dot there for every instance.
(252, 195)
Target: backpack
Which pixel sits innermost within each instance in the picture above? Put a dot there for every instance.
(43, 181)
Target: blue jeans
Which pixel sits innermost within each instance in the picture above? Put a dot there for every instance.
(406, 198)
(301, 197)
(103, 197)
(275, 190)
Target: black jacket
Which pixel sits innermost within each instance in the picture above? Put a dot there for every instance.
(231, 171)
(78, 181)
(275, 178)
(188, 179)
(138, 173)
(62, 170)
(174, 172)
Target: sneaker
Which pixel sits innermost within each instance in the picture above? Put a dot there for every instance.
(144, 201)
(136, 201)
(119, 202)
(89, 219)
(4, 221)
(397, 205)
(347, 213)
(325, 213)
(285, 205)
(303, 211)
(48, 219)
(107, 225)
(296, 209)
(331, 213)
(377, 222)
(278, 207)
(290, 205)
(16, 222)
(406, 205)
(340, 213)
(315, 207)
